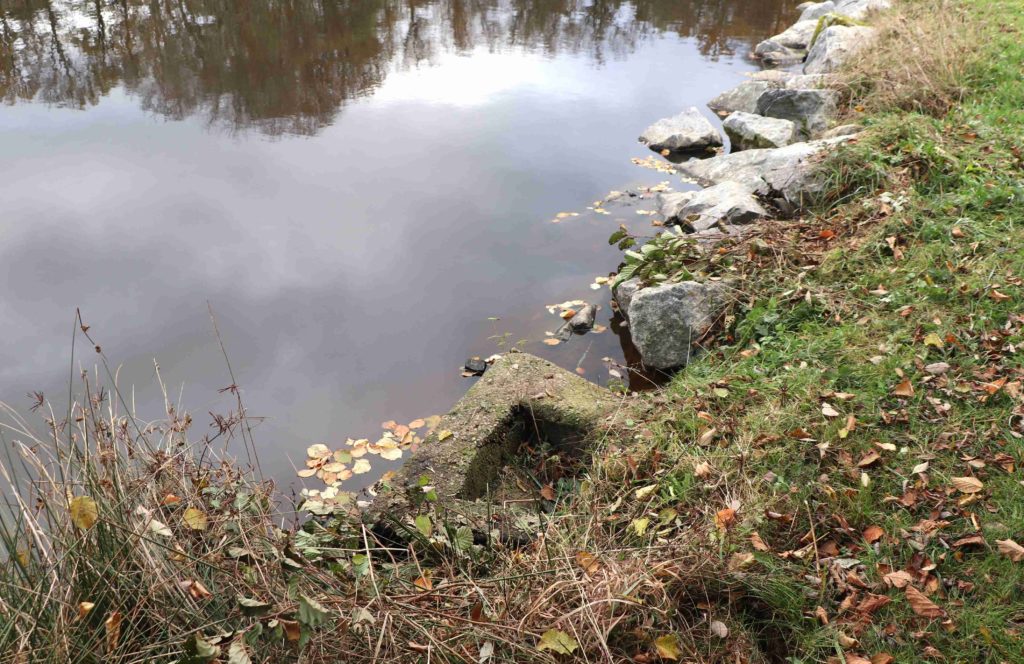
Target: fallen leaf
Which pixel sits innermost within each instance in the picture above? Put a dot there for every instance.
(828, 411)
(645, 491)
(921, 605)
(757, 542)
(904, 388)
(588, 562)
(84, 608)
(640, 525)
(719, 629)
(194, 518)
(725, 518)
(444, 435)
(424, 583)
(112, 629)
(552, 342)
(668, 647)
(361, 466)
(557, 641)
(967, 484)
(873, 533)
(920, 468)
(898, 579)
(84, 512)
(1011, 549)
(932, 339)
(547, 492)
(882, 658)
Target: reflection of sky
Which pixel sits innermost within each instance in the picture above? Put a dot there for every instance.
(352, 272)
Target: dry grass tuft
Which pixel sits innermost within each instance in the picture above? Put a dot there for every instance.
(922, 60)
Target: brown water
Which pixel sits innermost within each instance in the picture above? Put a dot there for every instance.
(357, 188)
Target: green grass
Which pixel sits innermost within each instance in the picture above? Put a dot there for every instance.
(947, 192)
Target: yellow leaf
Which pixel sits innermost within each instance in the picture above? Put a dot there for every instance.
(640, 525)
(668, 647)
(588, 562)
(557, 641)
(645, 491)
(933, 339)
(84, 608)
(444, 435)
(967, 484)
(84, 512)
(112, 627)
(194, 518)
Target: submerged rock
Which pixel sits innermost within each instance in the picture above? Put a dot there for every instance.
(583, 320)
(741, 98)
(810, 109)
(666, 321)
(728, 202)
(689, 130)
(747, 131)
(835, 45)
(791, 172)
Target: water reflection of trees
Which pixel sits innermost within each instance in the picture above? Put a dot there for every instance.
(288, 65)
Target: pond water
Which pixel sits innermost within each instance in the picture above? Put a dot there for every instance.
(358, 188)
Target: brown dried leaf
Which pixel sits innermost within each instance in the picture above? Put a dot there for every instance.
(903, 388)
(1011, 550)
(588, 562)
(921, 605)
(967, 484)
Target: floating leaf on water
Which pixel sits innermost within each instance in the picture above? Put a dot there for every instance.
(552, 342)
(392, 454)
(417, 424)
(317, 451)
(361, 466)
(84, 512)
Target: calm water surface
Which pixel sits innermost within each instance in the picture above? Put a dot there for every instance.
(356, 187)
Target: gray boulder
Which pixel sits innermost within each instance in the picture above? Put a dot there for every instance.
(689, 130)
(774, 53)
(727, 203)
(843, 130)
(796, 36)
(666, 321)
(859, 9)
(747, 131)
(815, 10)
(776, 76)
(623, 294)
(809, 81)
(810, 109)
(835, 45)
(791, 172)
(670, 204)
(741, 98)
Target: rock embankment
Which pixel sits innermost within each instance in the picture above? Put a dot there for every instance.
(779, 125)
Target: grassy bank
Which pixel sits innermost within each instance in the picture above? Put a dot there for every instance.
(840, 480)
